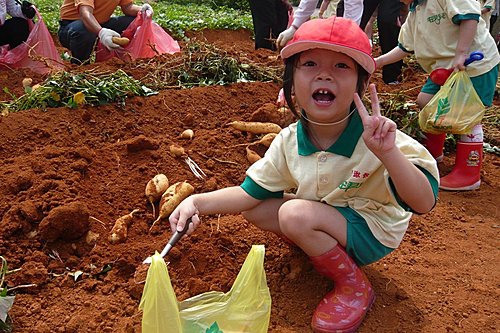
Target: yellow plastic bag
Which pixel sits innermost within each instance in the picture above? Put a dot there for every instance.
(455, 109)
(245, 308)
(158, 302)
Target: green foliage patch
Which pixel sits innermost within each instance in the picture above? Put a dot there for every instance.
(174, 16)
(74, 89)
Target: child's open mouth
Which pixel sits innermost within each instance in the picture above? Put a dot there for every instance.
(323, 96)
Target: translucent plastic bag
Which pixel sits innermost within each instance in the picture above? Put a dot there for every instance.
(455, 109)
(38, 52)
(245, 308)
(147, 39)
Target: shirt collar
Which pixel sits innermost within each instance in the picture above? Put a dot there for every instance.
(344, 145)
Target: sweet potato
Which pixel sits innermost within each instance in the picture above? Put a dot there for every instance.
(122, 41)
(172, 198)
(155, 188)
(252, 156)
(255, 127)
(27, 81)
(267, 139)
(177, 151)
(187, 134)
(120, 228)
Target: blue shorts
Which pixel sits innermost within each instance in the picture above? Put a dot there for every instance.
(361, 245)
(484, 84)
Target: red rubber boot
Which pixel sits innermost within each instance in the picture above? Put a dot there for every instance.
(434, 144)
(342, 310)
(466, 174)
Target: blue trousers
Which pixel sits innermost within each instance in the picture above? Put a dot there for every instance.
(74, 36)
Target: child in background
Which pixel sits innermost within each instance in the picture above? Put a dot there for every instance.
(353, 9)
(442, 34)
(494, 17)
(328, 8)
(357, 179)
(487, 7)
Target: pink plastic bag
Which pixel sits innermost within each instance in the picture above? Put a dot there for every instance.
(147, 39)
(38, 53)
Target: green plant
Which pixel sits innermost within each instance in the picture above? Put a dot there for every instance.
(74, 89)
(176, 16)
(202, 64)
(235, 4)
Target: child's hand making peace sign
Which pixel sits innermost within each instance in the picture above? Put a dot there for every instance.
(379, 132)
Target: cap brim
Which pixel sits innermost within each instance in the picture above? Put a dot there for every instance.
(359, 56)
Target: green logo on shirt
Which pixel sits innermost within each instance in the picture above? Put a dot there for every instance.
(436, 18)
(348, 185)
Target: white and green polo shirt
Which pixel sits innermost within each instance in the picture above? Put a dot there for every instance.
(347, 174)
(431, 31)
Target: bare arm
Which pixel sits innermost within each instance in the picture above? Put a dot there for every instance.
(411, 184)
(390, 57)
(379, 135)
(131, 9)
(467, 32)
(88, 19)
(228, 200)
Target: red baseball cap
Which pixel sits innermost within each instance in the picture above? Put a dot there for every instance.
(336, 34)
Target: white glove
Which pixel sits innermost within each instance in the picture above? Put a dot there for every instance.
(285, 36)
(106, 35)
(147, 8)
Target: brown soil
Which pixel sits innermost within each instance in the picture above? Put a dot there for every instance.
(67, 174)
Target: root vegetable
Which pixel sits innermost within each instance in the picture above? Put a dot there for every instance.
(27, 81)
(177, 151)
(172, 197)
(122, 41)
(255, 127)
(91, 237)
(252, 156)
(120, 228)
(267, 139)
(155, 188)
(187, 134)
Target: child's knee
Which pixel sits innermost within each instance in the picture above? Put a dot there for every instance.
(291, 218)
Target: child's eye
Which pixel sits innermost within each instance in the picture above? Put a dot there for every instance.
(308, 63)
(342, 65)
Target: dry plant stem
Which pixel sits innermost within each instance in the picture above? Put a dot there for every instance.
(23, 286)
(153, 208)
(43, 59)
(219, 160)
(97, 220)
